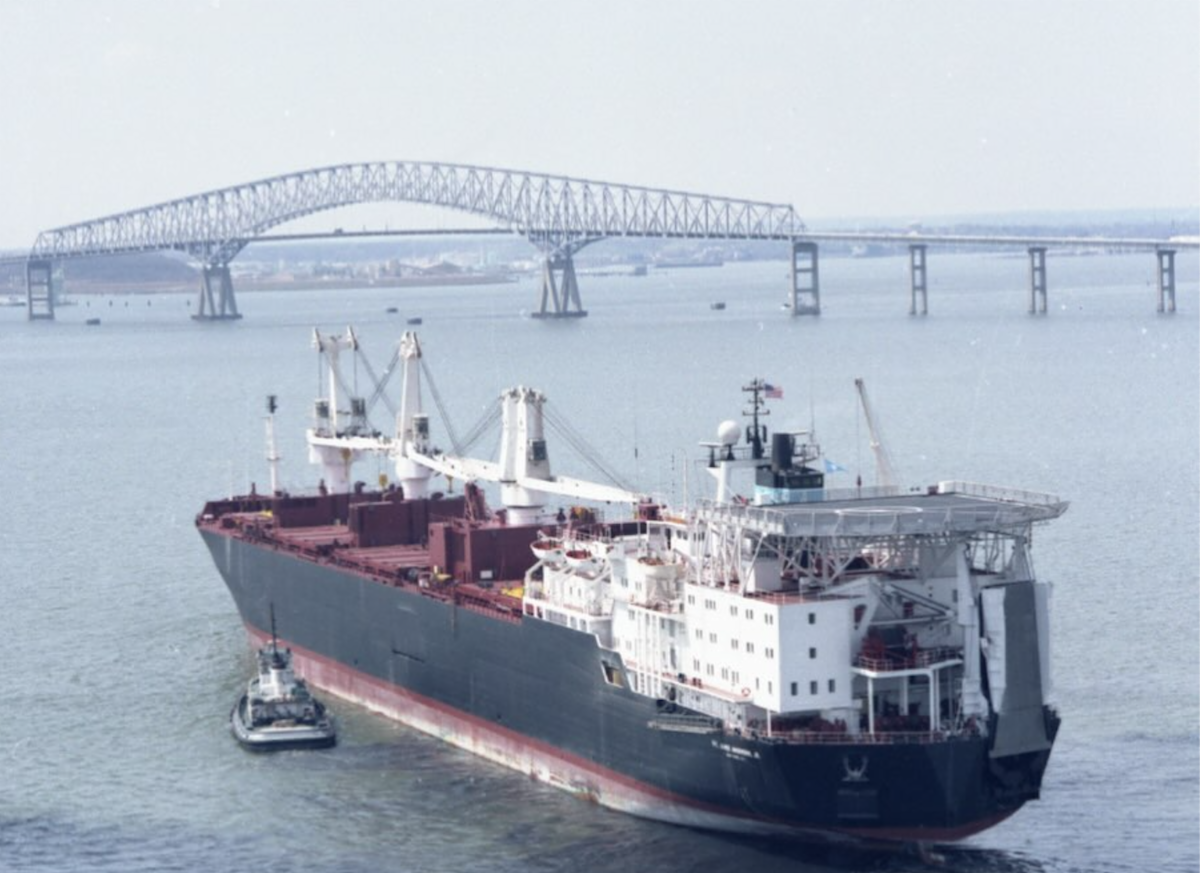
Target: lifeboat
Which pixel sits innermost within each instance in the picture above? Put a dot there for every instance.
(580, 560)
(547, 550)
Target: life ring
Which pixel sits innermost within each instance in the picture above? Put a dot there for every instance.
(745, 692)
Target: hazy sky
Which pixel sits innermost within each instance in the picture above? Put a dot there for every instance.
(903, 109)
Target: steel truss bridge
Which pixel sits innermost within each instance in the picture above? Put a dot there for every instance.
(557, 214)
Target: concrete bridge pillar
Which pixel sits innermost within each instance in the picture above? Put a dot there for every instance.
(39, 290)
(1037, 279)
(1166, 280)
(560, 289)
(917, 279)
(217, 302)
(806, 280)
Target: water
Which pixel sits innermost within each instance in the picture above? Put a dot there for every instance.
(123, 652)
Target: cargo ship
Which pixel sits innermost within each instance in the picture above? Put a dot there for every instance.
(865, 665)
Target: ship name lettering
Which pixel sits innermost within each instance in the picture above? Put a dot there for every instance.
(735, 752)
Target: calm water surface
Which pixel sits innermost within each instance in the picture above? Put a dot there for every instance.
(123, 652)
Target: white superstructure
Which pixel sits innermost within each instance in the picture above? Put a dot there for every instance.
(855, 610)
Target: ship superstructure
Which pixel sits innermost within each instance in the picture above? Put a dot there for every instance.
(864, 663)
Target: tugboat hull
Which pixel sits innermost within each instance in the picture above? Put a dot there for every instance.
(278, 737)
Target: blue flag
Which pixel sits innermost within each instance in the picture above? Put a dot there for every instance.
(831, 467)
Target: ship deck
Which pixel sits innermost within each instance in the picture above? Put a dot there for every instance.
(945, 508)
(335, 545)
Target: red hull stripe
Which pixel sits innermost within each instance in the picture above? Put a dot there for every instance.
(568, 771)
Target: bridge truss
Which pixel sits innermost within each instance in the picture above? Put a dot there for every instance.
(558, 214)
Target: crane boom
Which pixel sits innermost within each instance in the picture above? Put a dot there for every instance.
(885, 474)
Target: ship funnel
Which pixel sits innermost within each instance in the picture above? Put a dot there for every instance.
(783, 447)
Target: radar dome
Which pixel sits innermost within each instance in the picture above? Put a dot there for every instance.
(728, 433)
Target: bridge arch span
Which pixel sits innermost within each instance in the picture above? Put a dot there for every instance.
(558, 214)
(215, 225)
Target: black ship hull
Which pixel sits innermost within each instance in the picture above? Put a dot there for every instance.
(537, 697)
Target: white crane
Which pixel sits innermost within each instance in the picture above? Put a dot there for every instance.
(339, 437)
(885, 473)
(522, 471)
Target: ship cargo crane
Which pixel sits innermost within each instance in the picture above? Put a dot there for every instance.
(885, 473)
(522, 471)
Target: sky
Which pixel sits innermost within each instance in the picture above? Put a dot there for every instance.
(905, 110)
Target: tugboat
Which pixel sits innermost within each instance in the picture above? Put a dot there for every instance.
(277, 711)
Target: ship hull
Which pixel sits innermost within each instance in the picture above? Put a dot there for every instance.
(535, 697)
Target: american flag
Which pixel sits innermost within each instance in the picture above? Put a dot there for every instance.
(773, 392)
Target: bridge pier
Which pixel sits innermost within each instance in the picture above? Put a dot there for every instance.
(222, 307)
(39, 290)
(1166, 279)
(917, 279)
(806, 280)
(560, 300)
(1037, 279)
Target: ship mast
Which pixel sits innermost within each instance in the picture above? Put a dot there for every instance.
(756, 434)
(272, 448)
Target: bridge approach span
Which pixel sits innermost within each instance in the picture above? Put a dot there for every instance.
(559, 214)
